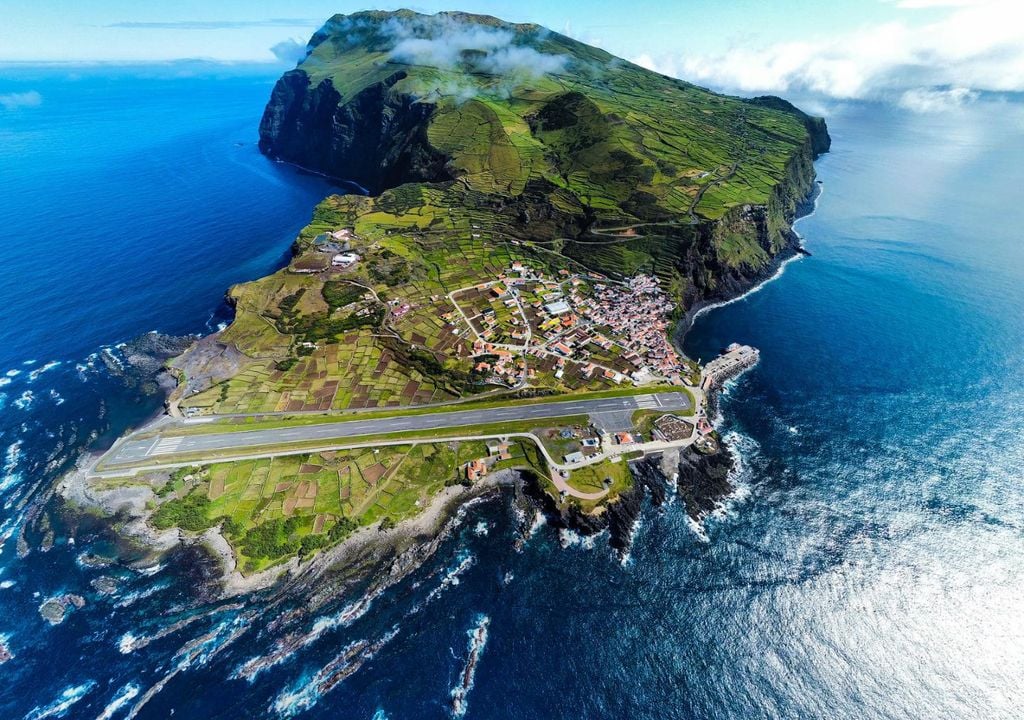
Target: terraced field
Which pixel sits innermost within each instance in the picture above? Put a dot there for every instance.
(482, 144)
(269, 507)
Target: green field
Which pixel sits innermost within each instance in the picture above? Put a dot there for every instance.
(273, 508)
(578, 162)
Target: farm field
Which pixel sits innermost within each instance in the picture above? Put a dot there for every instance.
(275, 507)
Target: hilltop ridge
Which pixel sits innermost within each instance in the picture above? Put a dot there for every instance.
(612, 164)
(538, 214)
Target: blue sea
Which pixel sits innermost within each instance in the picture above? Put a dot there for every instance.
(869, 565)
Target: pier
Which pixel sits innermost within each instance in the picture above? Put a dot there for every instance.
(732, 362)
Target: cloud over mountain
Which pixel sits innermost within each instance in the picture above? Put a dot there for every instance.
(444, 42)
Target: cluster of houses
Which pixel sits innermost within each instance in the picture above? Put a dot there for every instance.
(564, 316)
(637, 313)
(478, 468)
(632, 317)
(499, 364)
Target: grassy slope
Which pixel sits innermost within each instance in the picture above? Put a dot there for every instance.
(601, 163)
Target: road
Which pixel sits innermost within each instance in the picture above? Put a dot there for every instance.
(608, 414)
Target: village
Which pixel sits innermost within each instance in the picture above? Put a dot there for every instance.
(582, 323)
(524, 328)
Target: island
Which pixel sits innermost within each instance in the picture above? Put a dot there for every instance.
(500, 303)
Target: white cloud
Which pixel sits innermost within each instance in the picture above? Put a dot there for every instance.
(928, 4)
(289, 51)
(16, 101)
(974, 46)
(923, 100)
(443, 42)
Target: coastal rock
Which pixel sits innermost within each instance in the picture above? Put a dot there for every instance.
(139, 363)
(55, 610)
(704, 479)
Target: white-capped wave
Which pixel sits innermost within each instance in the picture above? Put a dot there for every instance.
(11, 476)
(569, 538)
(25, 400)
(32, 376)
(477, 642)
(123, 697)
(63, 703)
(127, 643)
(464, 561)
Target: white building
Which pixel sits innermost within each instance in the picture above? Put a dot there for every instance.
(557, 308)
(344, 260)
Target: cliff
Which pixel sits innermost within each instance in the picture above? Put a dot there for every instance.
(551, 140)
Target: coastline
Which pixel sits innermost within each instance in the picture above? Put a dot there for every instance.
(794, 250)
(426, 527)
(129, 510)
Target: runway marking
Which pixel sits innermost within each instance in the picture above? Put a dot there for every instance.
(165, 446)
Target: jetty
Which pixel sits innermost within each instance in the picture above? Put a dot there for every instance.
(732, 362)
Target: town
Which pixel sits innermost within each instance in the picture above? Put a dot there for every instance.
(581, 323)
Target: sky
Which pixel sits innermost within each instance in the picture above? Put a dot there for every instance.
(922, 54)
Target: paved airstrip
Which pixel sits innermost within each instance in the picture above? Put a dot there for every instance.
(608, 414)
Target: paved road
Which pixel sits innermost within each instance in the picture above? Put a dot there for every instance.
(609, 414)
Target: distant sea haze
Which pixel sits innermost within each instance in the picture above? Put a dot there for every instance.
(868, 566)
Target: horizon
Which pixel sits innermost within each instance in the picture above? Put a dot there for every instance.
(922, 55)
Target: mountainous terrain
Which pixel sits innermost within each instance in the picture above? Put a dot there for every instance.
(550, 141)
(536, 214)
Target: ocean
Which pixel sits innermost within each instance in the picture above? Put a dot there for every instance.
(868, 565)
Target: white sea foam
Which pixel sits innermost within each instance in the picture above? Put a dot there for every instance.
(5, 381)
(11, 476)
(626, 558)
(56, 397)
(25, 400)
(569, 538)
(451, 577)
(32, 376)
(307, 691)
(7, 584)
(12, 456)
(481, 529)
(112, 357)
(63, 703)
(132, 598)
(13, 373)
(539, 520)
(123, 697)
(778, 273)
(477, 643)
(127, 643)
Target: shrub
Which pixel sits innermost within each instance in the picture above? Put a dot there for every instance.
(187, 513)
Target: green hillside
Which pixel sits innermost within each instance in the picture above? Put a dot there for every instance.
(537, 214)
(624, 168)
